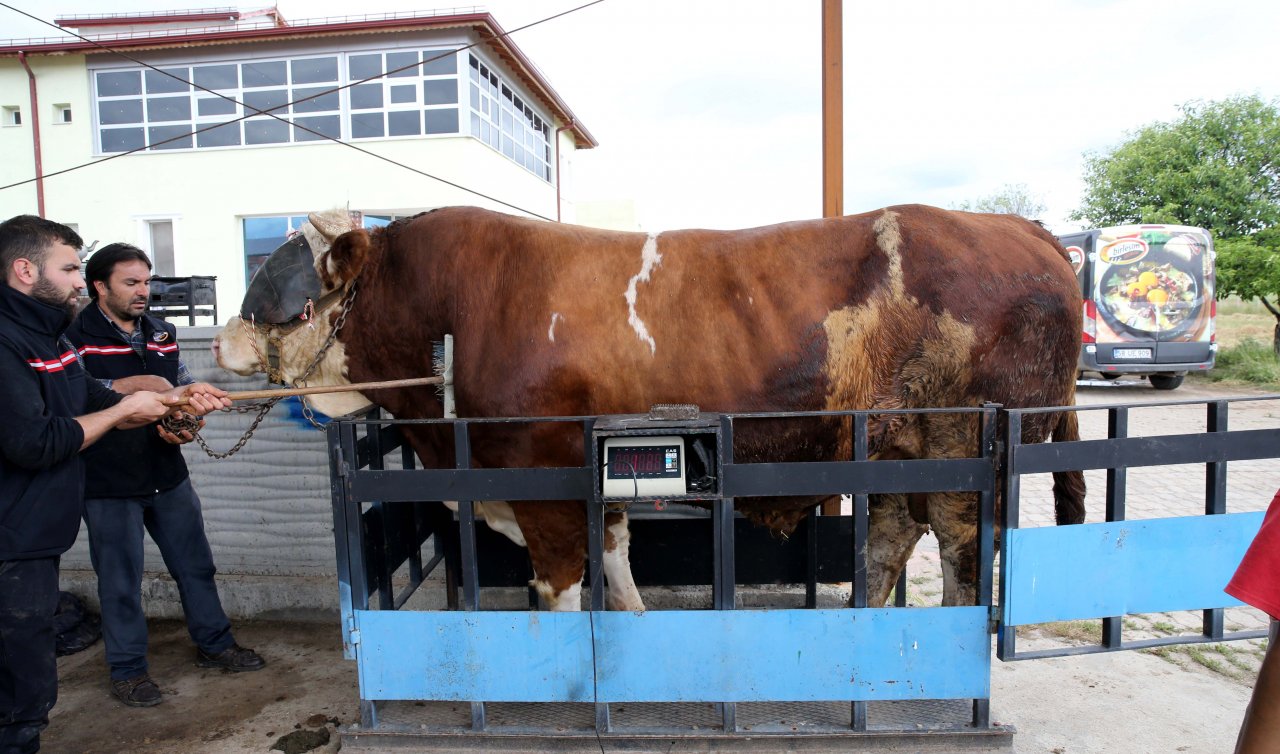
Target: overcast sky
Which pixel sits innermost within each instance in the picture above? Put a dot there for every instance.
(708, 112)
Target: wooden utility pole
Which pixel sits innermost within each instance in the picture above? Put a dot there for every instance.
(832, 129)
(832, 109)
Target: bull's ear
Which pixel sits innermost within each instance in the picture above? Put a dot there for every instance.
(344, 260)
(331, 224)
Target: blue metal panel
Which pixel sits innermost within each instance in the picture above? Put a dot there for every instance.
(739, 655)
(1106, 569)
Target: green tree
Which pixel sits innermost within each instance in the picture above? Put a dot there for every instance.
(1249, 267)
(1217, 167)
(1012, 199)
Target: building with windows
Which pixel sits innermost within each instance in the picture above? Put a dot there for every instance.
(207, 136)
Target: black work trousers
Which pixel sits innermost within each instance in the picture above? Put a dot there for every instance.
(28, 664)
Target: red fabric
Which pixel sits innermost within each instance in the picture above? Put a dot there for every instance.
(1257, 580)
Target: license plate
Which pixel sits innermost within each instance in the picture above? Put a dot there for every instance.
(1131, 353)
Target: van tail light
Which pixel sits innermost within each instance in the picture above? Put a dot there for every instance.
(1213, 317)
(1090, 322)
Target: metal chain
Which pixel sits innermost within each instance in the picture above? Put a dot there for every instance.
(264, 408)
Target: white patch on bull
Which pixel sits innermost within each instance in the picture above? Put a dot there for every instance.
(568, 601)
(498, 515)
(551, 331)
(623, 594)
(649, 258)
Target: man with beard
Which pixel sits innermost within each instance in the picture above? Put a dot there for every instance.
(137, 479)
(49, 412)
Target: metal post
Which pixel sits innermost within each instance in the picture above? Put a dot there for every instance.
(595, 563)
(1117, 480)
(1215, 503)
(1006, 637)
(811, 569)
(986, 538)
(861, 530)
(467, 535)
(724, 576)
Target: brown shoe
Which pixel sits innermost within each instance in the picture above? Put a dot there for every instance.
(139, 691)
(234, 658)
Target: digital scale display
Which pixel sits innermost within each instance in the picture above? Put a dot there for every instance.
(644, 466)
(644, 462)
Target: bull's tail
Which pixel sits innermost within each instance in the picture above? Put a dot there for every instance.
(1068, 486)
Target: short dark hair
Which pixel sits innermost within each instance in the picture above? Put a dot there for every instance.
(104, 261)
(29, 237)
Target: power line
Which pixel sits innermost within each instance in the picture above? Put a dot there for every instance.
(269, 112)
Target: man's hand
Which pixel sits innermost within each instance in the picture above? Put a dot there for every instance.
(201, 398)
(141, 408)
(179, 438)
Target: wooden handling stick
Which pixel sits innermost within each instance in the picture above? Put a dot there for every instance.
(249, 395)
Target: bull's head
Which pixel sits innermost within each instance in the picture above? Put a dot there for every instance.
(290, 308)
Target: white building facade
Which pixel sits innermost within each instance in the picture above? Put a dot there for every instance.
(206, 136)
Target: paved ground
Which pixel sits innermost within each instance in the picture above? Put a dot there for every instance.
(1185, 700)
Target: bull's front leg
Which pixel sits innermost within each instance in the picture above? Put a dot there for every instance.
(556, 532)
(623, 594)
(954, 518)
(891, 537)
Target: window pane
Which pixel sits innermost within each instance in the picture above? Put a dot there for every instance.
(364, 66)
(267, 100)
(157, 134)
(225, 135)
(364, 96)
(399, 60)
(265, 132)
(329, 125)
(121, 139)
(445, 65)
(120, 111)
(159, 83)
(404, 123)
(263, 74)
(215, 106)
(161, 109)
(314, 70)
(261, 237)
(122, 82)
(475, 124)
(366, 125)
(402, 94)
(439, 92)
(217, 76)
(314, 104)
(442, 121)
(475, 97)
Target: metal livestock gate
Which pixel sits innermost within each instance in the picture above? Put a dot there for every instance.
(743, 679)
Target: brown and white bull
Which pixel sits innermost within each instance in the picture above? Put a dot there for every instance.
(906, 307)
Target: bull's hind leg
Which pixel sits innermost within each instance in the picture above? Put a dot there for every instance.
(953, 516)
(892, 536)
(556, 531)
(623, 594)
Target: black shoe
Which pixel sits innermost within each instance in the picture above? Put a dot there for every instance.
(139, 691)
(234, 658)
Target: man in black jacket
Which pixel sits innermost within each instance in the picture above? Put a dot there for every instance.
(137, 479)
(49, 412)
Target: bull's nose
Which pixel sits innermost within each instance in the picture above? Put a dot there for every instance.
(215, 346)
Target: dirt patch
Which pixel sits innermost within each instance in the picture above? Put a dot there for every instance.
(207, 710)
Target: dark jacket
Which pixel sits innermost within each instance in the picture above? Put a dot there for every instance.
(41, 474)
(128, 462)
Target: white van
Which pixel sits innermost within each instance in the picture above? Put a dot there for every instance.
(1149, 306)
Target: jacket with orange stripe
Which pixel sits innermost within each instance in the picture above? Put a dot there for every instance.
(41, 474)
(128, 462)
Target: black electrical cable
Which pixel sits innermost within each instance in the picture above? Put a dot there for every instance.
(271, 114)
